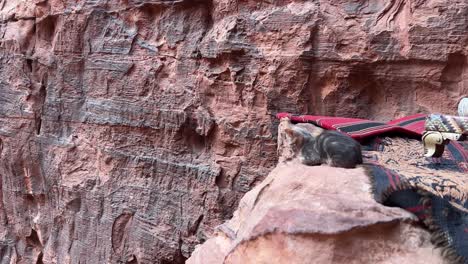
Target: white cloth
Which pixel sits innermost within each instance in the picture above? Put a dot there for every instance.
(463, 107)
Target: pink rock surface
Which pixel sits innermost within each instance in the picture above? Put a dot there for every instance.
(302, 214)
(129, 129)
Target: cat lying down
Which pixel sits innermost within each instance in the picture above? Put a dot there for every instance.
(314, 145)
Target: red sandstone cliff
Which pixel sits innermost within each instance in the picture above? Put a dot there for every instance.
(130, 128)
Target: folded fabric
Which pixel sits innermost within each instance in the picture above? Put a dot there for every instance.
(435, 190)
(446, 123)
(361, 128)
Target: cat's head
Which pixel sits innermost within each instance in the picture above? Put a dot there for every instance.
(292, 138)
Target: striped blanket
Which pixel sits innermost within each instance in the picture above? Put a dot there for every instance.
(434, 189)
(361, 129)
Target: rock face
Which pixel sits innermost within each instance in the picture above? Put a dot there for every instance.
(302, 214)
(130, 128)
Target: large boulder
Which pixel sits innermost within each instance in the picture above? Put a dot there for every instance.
(303, 214)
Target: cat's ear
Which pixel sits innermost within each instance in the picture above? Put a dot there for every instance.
(290, 132)
(316, 131)
(293, 135)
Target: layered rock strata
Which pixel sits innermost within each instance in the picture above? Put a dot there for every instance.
(129, 129)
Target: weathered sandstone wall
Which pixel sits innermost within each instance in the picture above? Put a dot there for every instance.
(130, 128)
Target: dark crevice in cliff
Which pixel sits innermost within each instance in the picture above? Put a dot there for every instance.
(208, 22)
(163, 3)
(42, 95)
(179, 256)
(133, 260)
(38, 124)
(226, 203)
(29, 65)
(42, 3)
(195, 226)
(70, 236)
(4, 253)
(39, 259)
(46, 28)
(74, 205)
(31, 43)
(33, 239)
(222, 180)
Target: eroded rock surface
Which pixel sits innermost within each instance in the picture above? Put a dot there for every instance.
(302, 214)
(130, 129)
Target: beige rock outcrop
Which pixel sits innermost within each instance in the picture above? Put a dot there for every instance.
(302, 214)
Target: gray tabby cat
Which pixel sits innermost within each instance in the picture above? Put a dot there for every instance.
(317, 146)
